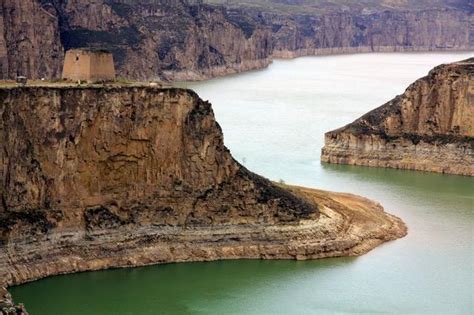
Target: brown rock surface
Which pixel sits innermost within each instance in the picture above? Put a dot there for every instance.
(99, 177)
(7, 307)
(29, 40)
(430, 127)
(186, 40)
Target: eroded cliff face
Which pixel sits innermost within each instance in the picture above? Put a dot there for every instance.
(123, 176)
(29, 40)
(168, 39)
(134, 155)
(188, 40)
(386, 31)
(156, 39)
(430, 127)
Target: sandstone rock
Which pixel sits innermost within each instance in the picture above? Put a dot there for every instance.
(30, 42)
(186, 40)
(430, 127)
(386, 31)
(7, 307)
(101, 177)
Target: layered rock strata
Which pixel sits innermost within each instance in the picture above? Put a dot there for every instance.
(101, 177)
(386, 31)
(189, 40)
(429, 128)
(30, 41)
(7, 307)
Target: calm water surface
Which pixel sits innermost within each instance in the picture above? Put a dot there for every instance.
(273, 122)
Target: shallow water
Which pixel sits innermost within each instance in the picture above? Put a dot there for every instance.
(274, 121)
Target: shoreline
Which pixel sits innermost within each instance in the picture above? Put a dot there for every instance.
(349, 225)
(255, 65)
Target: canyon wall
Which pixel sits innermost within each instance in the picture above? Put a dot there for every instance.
(29, 40)
(430, 127)
(120, 176)
(387, 31)
(188, 40)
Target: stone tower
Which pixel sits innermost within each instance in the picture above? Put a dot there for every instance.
(88, 65)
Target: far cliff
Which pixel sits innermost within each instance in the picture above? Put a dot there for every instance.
(193, 40)
(429, 128)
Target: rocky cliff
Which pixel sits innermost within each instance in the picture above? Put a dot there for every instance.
(386, 31)
(7, 307)
(189, 40)
(29, 40)
(313, 27)
(150, 39)
(100, 177)
(430, 127)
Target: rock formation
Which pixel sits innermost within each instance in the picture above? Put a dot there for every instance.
(7, 307)
(430, 127)
(387, 31)
(188, 40)
(29, 40)
(100, 177)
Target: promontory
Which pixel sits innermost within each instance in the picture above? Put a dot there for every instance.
(98, 176)
(429, 128)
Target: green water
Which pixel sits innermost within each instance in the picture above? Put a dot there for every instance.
(273, 121)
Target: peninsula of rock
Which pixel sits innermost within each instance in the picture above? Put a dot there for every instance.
(428, 128)
(96, 177)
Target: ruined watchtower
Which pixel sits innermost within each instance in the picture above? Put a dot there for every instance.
(88, 65)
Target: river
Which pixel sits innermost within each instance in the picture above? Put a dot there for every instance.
(274, 121)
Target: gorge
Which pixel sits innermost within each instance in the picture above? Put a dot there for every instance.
(274, 122)
(192, 40)
(121, 176)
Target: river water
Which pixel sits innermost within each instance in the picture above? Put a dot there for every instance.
(273, 122)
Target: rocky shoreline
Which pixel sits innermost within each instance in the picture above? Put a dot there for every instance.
(217, 71)
(97, 177)
(187, 40)
(349, 225)
(221, 71)
(287, 54)
(428, 128)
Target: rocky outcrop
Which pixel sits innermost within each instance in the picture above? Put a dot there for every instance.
(189, 40)
(157, 39)
(7, 307)
(430, 127)
(29, 40)
(101, 177)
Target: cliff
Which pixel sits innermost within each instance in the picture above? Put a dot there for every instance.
(99, 177)
(149, 39)
(7, 307)
(313, 27)
(188, 40)
(430, 127)
(386, 31)
(29, 40)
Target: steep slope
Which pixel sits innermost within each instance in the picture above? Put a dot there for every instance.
(29, 40)
(101, 177)
(331, 6)
(149, 39)
(386, 31)
(189, 40)
(430, 127)
(306, 27)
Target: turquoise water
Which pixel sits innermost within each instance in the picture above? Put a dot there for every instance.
(273, 121)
